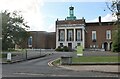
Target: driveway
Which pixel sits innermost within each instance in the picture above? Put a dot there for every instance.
(39, 68)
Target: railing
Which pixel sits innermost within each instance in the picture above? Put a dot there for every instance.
(28, 54)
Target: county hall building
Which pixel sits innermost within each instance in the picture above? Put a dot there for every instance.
(72, 32)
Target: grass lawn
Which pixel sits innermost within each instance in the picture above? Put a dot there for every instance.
(0, 55)
(96, 59)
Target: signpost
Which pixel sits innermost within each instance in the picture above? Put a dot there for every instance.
(79, 51)
(8, 56)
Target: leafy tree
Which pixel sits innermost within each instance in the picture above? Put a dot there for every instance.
(116, 31)
(116, 38)
(13, 30)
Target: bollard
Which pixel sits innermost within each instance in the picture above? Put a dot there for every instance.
(40, 52)
(8, 56)
(26, 55)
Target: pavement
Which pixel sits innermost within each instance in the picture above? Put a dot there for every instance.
(102, 67)
(93, 68)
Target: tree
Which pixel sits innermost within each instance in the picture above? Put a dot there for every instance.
(116, 38)
(116, 31)
(13, 30)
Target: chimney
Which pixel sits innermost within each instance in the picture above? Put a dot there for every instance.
(100, 20)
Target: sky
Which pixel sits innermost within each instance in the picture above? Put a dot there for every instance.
(42, 14)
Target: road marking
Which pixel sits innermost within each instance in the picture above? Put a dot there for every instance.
(50, 63)
(40, 74)
(23, 73)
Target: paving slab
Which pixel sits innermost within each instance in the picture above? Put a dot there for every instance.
(100, 68)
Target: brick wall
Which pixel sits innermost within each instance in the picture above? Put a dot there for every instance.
(100, 33)
(42, 39)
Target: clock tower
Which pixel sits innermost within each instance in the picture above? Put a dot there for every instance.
(71, 14)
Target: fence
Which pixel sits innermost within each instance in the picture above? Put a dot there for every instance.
(28, 54)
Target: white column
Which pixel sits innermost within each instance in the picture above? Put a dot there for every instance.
(74, 35)
(108, 46)
(65, 35)
(83, 37)
(102, 46)
(57, 36)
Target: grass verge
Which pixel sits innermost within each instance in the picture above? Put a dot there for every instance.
(96, 59)
(93, 59)
(57, 62)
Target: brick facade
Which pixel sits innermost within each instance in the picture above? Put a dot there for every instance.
(100, 34)
(71, 32)
(94, 35)
(43, 40)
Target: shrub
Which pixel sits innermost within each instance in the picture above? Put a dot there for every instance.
(65, 48)
(59, 49)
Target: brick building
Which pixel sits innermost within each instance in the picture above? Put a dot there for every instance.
(99, 35)
(94, 35)
(72, 32)
(41, 39)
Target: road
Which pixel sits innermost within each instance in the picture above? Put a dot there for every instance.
(39, 68)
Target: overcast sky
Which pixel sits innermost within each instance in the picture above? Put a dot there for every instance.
(42, 14)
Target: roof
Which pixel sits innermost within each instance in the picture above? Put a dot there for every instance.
(99, 23)
(78, 21)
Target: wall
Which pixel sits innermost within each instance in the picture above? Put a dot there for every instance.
(42, 39)
(100, 34)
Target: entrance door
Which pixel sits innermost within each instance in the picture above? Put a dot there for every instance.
(70, 46)
(105, 46)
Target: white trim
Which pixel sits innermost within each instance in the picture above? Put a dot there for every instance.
(94, 32)
(74, 42)
(65, 34)
(108, 32)
(72, 27)
(69, 25)
(83, 38)
(74, 34)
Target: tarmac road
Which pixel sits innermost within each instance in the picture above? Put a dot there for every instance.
(39, 68)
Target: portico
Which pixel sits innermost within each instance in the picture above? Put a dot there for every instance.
(70, 32)
(70, 36)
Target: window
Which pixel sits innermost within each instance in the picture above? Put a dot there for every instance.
(78, 35)
(62, 37)
(70, 35)
(30, 41)
(93, 35)
(108, 34)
